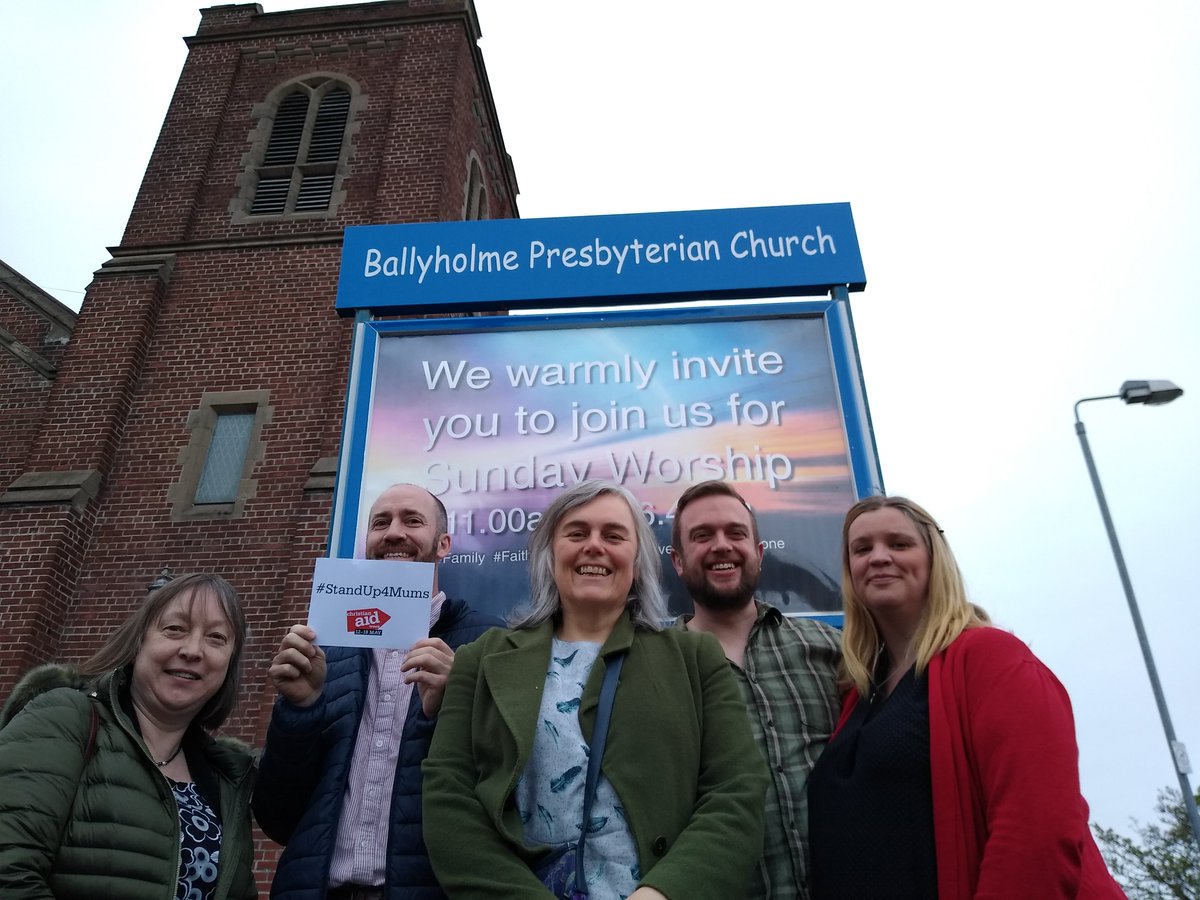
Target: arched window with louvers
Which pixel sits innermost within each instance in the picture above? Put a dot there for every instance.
(300, 165)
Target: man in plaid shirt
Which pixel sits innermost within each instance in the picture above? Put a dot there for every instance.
(786, 668)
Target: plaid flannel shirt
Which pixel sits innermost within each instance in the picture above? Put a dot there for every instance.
(789, 684)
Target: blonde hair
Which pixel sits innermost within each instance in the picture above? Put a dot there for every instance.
(947, 614)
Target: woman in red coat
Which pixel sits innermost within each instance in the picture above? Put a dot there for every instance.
(953, 772)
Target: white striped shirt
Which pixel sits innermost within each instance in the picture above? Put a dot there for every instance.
(360, 848)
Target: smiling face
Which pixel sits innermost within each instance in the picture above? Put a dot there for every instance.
(183, 659)
(594, 549)
(720, 559)
(404, 525)
(889, 564)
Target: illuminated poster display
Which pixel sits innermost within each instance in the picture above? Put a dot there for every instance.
(496, 415)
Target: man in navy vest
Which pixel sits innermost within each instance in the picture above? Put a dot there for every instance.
(340, 777)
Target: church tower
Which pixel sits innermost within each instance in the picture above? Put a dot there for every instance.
(195, 413)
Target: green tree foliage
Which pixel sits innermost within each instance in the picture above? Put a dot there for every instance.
(1163, 862)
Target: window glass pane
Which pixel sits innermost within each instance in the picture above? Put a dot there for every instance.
(226, 458)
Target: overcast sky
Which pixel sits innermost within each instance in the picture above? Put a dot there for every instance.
(1025, 180)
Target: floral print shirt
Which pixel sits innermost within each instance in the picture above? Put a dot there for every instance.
(550, 792)
(199, 844)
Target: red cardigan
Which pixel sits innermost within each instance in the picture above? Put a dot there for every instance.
(1009, 820)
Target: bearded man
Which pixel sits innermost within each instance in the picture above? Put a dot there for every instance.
(340, 777)
(786, 668)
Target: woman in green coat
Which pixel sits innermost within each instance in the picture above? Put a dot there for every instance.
(117, 790)
(678, 809)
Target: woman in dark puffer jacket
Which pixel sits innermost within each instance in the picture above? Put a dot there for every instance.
(110, 784)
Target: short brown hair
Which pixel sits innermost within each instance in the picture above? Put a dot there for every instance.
(707, 489)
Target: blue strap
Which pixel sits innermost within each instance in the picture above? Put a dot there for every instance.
(608, 691)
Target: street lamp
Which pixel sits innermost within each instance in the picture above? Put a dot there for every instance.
(1152, 393)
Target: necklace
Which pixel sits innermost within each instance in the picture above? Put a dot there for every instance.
(895, 673)
(167, 761)
(876, 685)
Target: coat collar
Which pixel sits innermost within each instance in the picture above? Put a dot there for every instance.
(233, 758)
(621, 637)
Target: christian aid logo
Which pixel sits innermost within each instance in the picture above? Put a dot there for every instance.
(366, 621)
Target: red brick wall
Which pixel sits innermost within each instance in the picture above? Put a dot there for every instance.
(23, 395)
(223, 305)
(273, 330)
(41, 551)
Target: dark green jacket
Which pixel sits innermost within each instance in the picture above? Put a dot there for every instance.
(107, 829)
(679, 755)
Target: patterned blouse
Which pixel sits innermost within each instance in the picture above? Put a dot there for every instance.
(199, 844)
(550, 792)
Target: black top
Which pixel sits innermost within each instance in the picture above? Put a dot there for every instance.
(870, 802)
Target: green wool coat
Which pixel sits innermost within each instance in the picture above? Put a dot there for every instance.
(107, 829)
(679, 754)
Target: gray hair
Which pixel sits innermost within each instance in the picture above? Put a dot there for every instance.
(647, 604)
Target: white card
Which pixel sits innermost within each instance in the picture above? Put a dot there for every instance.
(370, 602)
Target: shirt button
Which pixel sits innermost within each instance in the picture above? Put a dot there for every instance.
(770, 723)
(379, 743)
(779, 769)
(394, 653)
(387, 696)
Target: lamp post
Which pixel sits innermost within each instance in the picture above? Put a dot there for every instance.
(1152, 393)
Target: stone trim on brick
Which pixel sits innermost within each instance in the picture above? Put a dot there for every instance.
(201, 422)
(322, 475)
(160, 265)
(59, 318)
(40, 366)
(475, 191)
(74, 488)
